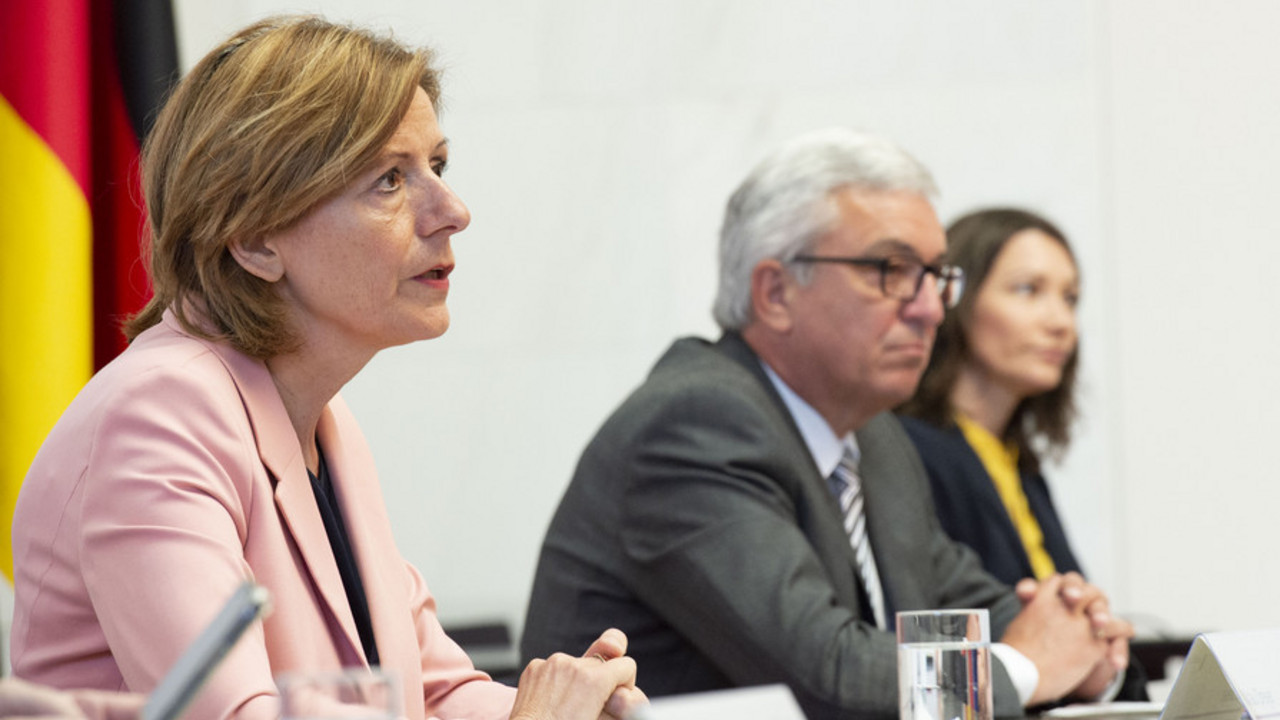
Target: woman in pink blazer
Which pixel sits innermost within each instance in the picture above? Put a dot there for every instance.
(299, 224)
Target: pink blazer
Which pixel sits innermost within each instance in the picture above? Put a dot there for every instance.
(173, 476)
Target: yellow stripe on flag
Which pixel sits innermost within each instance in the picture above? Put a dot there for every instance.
(46, 240)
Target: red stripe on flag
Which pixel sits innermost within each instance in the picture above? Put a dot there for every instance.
(44, 74)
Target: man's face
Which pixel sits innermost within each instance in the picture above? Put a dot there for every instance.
(856, 351)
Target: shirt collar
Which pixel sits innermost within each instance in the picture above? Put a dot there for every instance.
(821, 440)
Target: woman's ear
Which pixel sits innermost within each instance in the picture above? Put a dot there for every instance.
(771, 287)
(257, 255)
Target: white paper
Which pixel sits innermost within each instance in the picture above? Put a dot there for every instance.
(1228, 676)
(1119, 708)
(765, 702)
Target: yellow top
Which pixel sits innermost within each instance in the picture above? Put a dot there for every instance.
(1001, 463)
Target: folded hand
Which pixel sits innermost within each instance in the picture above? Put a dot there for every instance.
(600, 684)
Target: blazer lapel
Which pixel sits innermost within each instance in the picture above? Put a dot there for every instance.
(280, 453)
(989, 502)
(354, 477)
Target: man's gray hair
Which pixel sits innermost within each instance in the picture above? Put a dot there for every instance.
(783, 206)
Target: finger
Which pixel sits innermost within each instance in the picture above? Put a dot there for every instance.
(1079, 594)
(105, 705)
(1026, 589)
(19, 698)
(1082, 596)
(1050, 587)
(1099, 611)
(621, 671)
(1072, 582)
(611, 644)
(1103, 624)
(1118, 652)
(1094, 599)
(625, 701)
(1115, 629)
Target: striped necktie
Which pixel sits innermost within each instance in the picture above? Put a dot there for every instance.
(848, 489)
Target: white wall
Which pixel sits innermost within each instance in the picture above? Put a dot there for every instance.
(597, 142)
(1194, 172)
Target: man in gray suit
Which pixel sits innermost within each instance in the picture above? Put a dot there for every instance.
(703, 521)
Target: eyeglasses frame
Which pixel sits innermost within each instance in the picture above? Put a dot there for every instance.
(947, 276)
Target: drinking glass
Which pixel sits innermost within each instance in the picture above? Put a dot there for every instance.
(352, 694)
(944, 665)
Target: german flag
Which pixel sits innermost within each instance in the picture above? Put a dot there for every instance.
(80, 81)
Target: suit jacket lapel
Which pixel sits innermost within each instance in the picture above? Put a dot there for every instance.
(876, 468)
(827, 535)
(737, 349)
(280, 453)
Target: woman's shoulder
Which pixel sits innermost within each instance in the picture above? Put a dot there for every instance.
(166, 407)
(943, 450)
(165, 384)
(165, 362)
(928, 435)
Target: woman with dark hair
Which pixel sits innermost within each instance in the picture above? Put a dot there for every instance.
(999, 394)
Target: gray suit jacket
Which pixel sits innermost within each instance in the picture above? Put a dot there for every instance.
(698, 524)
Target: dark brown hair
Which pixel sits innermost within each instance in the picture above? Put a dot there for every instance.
(973, 243)
(267, 126)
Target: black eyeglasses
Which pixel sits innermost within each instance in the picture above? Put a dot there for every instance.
(902, 278)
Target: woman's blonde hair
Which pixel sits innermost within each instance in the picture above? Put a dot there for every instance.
(267, 126)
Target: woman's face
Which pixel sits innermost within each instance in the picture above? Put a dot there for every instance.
(369, 268)
(1023, 327)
